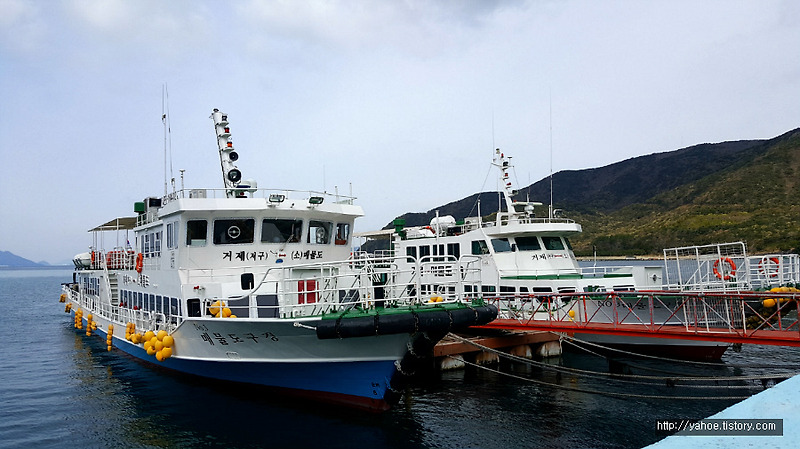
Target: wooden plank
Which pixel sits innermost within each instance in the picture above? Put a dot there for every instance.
(450, 347)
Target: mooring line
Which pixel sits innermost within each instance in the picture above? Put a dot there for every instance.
(606, 393)
(622, 377)
(667, 359)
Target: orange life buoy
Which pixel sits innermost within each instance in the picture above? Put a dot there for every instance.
(139, 262)
(770, 266)
(725, 275)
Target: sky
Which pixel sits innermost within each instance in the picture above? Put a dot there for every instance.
(400, 101)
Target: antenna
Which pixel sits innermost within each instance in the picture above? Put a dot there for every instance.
(550, 209)
(164, 122)
(167, 137)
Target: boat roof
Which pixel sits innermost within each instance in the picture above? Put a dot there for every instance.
(121, 223)
(383, 233)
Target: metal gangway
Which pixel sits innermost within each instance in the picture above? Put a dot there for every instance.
(710, 292)
(707, 316)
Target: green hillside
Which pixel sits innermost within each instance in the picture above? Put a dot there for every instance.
(755, 199)
(707, 193)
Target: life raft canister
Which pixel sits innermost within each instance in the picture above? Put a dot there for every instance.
(139, 262)
(725, 274)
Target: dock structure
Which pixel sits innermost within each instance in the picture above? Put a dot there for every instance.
(765, 318)
(450, 346)
(451, 352)
(773, 413)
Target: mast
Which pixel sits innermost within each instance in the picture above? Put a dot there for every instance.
(504, 164)
(231, 176)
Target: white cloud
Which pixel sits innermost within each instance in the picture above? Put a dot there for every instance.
(21, 27)
(404, 99)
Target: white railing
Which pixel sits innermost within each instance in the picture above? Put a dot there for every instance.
(727, 267)
(363, 282)
(266, 193)
(143, 319)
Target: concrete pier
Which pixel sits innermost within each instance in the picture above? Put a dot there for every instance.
(781, 402)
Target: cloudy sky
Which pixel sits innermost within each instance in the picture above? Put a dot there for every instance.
(403, 100)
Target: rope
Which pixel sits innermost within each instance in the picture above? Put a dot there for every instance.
(607, 393)
(667, 359)
(618, 377)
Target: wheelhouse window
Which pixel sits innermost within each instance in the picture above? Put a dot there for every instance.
(234, 231)
(553, 243)
(501, 245)
(479, 247)
(281, 230)
(438, 250)
(411, 252)
(196, 232)
(151, 244)
(454, 249)
(342, 233)
(172, 235)
(424, 251)
(528, 243)
(319, 232)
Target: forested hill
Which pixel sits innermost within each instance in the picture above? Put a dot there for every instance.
(745, 190)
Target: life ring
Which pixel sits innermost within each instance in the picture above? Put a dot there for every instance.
(724, 275)
(139, 262)
(770, 266)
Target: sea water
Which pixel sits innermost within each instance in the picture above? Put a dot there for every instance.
(61, 389)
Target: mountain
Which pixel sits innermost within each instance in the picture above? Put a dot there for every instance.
(8, 259)
(709, 193)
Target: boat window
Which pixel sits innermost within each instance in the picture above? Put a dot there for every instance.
(342, 233)
(438, 250)
(528, 243)
(454, 249)
(196, 232)
(151, 244)
(501, 245)
(319, 232)
(553, 243)
(172, 235)
(569, 245)
(411, 251)
(479, 247)
(424, 251)
(234, 231)
(281, 230)
(157, 244)
(175, 308)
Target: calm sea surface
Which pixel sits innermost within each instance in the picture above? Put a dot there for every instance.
(61, 389)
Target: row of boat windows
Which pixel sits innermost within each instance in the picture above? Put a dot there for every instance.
(169, 306)
(234, 231)
(528, 243)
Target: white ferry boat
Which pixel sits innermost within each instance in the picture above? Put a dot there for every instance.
(529, 270)
(257, 286)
